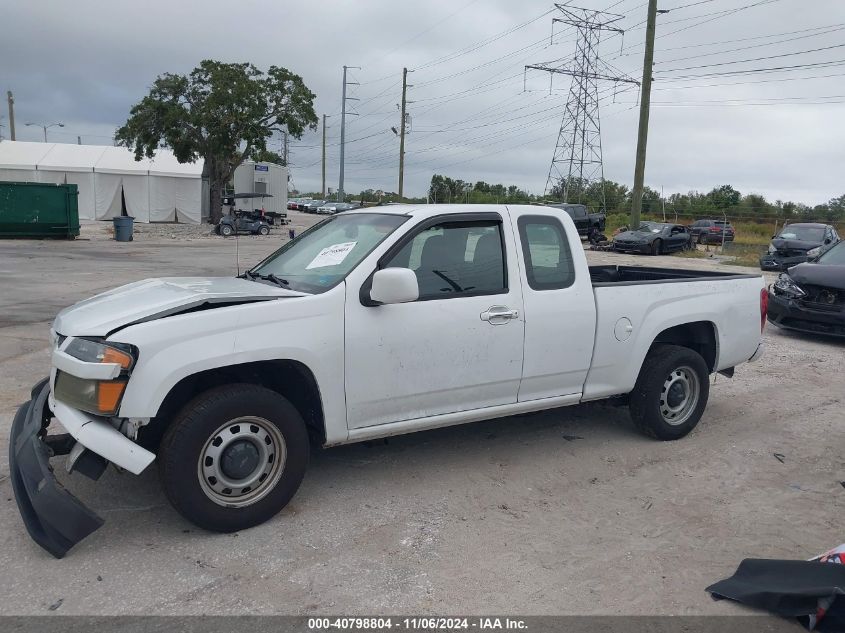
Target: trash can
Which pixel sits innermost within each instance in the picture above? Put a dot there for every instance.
(123, 226)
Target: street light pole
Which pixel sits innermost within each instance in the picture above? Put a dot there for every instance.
(44, 127)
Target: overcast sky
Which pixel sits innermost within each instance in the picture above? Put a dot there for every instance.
(85, 63)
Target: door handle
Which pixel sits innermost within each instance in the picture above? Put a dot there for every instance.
(499, 315)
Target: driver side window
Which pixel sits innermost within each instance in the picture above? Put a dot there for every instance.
(455, 259)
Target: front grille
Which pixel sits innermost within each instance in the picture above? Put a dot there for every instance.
(791, 252)
(821, 298)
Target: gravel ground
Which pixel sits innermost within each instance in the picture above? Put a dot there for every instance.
(562, 512)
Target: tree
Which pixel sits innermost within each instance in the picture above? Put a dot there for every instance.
(724, 197)
(267, 156)
(222, 113)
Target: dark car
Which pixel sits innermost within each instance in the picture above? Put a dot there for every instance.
(711, 231)
(810, 297)
(311, 206)
(584, 222)
(653, 238)
(242, 223)
(796, 243)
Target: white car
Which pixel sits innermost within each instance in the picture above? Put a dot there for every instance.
(371, 324)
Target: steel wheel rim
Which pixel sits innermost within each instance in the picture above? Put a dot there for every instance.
(242, 433)
(679, 396)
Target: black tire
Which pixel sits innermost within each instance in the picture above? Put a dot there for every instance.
(657, 247)
(264, 230)
(226, 230)
(189, 435)
(700, 238)
(646, 401)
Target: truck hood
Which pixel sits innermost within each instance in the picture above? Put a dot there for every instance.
(156, 298)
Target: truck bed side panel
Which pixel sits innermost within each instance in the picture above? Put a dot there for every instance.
(732, 305)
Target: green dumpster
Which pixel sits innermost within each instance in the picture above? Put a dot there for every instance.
(39, 210)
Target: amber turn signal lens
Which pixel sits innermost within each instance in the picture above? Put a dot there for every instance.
(109, 394)
(112, 355)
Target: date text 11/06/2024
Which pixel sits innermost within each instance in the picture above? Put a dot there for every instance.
(421, 623)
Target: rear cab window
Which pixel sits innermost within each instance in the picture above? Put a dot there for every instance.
(545, 247)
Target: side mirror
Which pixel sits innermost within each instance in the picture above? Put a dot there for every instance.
(827, 241)
(774, 237)
(394, 285)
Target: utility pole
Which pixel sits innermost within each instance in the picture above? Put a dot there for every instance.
(343, 114)
(11, 99)
(79, 140)
(645, 103)
(402, 133)
(285, 147)
(324, 156)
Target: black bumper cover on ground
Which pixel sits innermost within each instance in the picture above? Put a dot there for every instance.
(791, 315)
(54, 518)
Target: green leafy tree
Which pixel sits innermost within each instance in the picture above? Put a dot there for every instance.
(267, 156)
(724, 197)
(222, 113)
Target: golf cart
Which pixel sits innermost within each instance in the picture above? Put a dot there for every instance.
(239, 221)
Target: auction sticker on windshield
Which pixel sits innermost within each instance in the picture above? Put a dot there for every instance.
(331, 255)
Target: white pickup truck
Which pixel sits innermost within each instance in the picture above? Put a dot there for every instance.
(372, 323)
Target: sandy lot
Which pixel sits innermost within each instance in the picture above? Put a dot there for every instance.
(563, 512)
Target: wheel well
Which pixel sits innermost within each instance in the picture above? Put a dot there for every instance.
(699, 336)
(291, 379)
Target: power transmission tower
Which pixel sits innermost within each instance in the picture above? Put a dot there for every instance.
(578, 155)
(343, 114)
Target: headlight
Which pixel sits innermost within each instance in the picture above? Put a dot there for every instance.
(786, 286)
(772, 249)
(96, 352)
(814, 252)
(100, 397)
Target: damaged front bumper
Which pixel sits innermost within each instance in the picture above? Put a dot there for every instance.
(54, 518)
(792, 314)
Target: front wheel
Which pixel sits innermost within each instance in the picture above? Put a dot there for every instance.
(264, 230)
(656, 247)
(671, 392)
(226, 230)
(233, 457)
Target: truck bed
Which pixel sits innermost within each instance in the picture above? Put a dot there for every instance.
(636, 275)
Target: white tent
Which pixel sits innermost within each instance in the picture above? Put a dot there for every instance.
(73, 165)
(109, 179)
(175, 190)
(19, 160)
(117, 174)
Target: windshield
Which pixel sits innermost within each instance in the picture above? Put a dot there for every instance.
(650, 227)
(323, 255)
(835, 256)
(803, 233)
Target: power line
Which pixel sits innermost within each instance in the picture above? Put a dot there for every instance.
(754, 59)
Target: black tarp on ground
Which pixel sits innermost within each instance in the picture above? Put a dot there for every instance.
(790, 588)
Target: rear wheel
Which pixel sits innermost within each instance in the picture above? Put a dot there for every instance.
(671, 392)
(264, 230)
(657, 247)
(233, 457)
(226, 230)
